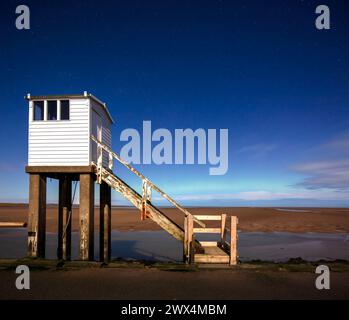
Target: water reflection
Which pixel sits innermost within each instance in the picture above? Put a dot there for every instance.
(160, 246)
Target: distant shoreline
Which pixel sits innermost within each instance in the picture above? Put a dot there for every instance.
(251, 219)
(25, 204)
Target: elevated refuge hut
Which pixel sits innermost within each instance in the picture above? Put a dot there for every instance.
(60, 147)
(70, 140)
(60, 128)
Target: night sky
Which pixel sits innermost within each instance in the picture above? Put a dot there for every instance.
(259, 68)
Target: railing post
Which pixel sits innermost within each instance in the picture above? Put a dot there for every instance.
(223, 230)
(100, 155)
(233, 240)
(185, 241)
(148, 193)
(192, 249)
(144, 199)
(99, 151)
(111, 161)
(190, 238)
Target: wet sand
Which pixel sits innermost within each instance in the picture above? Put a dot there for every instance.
(300, 220)
(160, 246)
(243, 282)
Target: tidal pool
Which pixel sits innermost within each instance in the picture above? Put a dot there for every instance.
(160, 246)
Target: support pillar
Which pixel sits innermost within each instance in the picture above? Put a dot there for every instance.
(64, 218)
(37, 216)
(105, 223)
(86, 217)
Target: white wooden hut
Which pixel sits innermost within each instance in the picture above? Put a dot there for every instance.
(60, 127)
(60, 147)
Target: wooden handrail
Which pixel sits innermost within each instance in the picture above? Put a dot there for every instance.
(149, 183)
(5, 224)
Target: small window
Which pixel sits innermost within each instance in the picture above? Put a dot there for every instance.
(64, 109)
(38, 110)
(52, 110)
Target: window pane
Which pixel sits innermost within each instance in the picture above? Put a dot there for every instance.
(51, 110)
(38, 110)
(64, 109)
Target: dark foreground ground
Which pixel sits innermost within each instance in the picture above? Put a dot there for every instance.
(121, 280)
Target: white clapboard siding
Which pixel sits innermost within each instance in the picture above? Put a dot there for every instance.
(67, 142)
(106, 131)
(61, 143)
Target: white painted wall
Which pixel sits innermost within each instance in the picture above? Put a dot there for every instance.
(67, 142)
(99, 115)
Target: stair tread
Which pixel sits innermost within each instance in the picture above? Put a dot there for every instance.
(209, 258)
(209, 243)
(214, 251)
(211, 255)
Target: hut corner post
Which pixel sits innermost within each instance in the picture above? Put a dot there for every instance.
(105, 223)
(37, 216)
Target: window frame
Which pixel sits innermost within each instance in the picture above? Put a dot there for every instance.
(45, 110)
(60, 106)
(48, 101)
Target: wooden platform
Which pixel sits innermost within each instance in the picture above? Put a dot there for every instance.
(55, 172)
(212, 254)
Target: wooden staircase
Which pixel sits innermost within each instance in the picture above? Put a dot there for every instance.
(193, 250)
(219, 251)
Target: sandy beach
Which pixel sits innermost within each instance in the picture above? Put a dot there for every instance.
(136, 280)
(250, 219)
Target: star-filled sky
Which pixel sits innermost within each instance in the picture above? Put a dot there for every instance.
(258, 68)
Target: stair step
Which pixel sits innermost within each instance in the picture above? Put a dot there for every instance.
(212, 254)
(214, 251)
(211, 217)
(209, 243)
(207, 230)
(209, 258)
